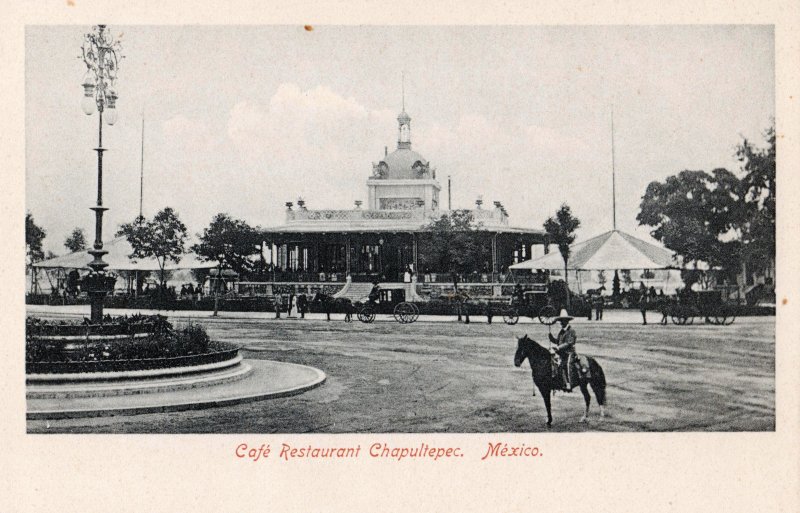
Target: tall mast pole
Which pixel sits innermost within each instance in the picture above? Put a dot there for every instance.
(613, 175)
(449, 197)
(141, 171)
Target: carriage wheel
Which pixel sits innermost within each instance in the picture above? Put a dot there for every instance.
(724, 316)
(547, 315)
(404, 313)
(416, 313)
(679, 319)
(366, 314)
(510, 315)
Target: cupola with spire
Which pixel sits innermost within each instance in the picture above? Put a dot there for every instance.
(403, 179)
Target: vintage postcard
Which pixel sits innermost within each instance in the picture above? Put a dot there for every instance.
(465, 257)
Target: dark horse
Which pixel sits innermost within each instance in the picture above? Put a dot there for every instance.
(546, 380)
(328, 301)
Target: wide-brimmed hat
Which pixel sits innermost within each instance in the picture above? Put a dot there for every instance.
(564, 315)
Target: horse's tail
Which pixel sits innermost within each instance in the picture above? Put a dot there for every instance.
(598, 381)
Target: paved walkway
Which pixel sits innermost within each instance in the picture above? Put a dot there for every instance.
(268, 380)
(615, 316)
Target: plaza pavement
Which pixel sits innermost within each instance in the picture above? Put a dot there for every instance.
(449, 377)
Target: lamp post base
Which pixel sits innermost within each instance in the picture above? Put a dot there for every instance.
(98, 285)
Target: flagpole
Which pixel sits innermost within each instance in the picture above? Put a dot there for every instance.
(613, 175)
(141, 171)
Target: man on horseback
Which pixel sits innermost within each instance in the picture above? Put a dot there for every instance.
(565, 347)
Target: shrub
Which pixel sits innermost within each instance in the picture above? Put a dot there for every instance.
(162, 340)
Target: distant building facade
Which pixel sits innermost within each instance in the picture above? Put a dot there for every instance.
(379, 241)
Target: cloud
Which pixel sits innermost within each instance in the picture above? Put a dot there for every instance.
(320, 145)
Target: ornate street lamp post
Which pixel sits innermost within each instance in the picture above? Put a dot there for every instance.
(101, 53)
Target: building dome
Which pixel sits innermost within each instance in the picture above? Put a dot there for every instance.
(403, 164)
(404, 118)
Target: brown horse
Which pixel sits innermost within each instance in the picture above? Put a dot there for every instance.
(546, 380)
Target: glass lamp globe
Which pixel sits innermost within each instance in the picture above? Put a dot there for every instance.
(110, 116)
(88, 104)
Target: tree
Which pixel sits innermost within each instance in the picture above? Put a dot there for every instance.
(601, 278)
(162, 238)
(627, 279)
(34, 235)
(758, 191)
(718, 218)
(76, 241)
(561, 231)
(697, 215)
(450, 244)
(232, 239)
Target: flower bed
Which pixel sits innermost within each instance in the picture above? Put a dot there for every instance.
(73, 367)
(124, 325)
(122, 343)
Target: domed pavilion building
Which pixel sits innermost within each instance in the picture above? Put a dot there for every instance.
(343, 251)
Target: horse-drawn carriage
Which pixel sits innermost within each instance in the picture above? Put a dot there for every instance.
(535, 303)
(390, 300)
(708, 304)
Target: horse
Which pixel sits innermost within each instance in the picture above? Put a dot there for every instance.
(542, 367)
(327, 301)
(597, 291)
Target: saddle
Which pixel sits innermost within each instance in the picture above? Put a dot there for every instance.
(580, 370)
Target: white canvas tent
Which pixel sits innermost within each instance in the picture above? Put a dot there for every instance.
(611, 250)
(118, 260)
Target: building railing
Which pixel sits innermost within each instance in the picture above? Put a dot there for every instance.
(302, 214)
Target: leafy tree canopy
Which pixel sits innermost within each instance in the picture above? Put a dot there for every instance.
(34, 235)
(561, 230)
(76, 240)
(449, 244)
(162, 238)
(231, 239)
(718, 217)
(696, 215)
(758, 229)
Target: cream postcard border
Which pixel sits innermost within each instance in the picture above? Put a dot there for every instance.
(598, 472)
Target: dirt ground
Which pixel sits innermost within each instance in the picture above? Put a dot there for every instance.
(454, 378)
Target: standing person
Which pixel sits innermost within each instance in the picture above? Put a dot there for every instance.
(643, 300)
(489, 312)
(599, 303)
(349, 310)
(291, 308)
(664, 306)
(302, 305)
(589, 304)
(519, 294)
(565, 347)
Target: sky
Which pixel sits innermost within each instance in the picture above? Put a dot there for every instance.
(243, 119)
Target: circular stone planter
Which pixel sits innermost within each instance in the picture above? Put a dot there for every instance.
(42, 369)
(265, 379)
(115, 386)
